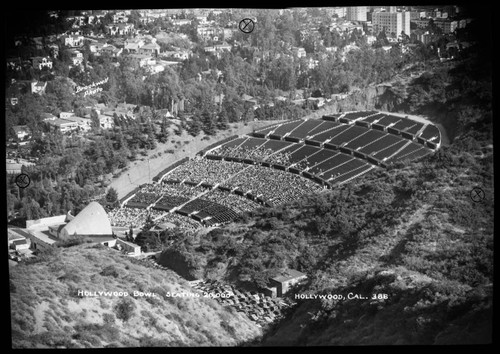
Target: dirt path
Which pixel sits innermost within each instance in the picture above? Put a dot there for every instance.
(369, 256)
(40, 316)
(141, 171)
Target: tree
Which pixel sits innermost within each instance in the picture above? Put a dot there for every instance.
(95, 123)
(112, 196)
(130, 235)
(163, 136)
(194, 126)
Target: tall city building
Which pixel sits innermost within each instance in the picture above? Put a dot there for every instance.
(393, 23)
(356, 13)
(339, 11)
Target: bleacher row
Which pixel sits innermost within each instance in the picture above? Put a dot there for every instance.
(195, 199)
(240, 174)
(317, 130)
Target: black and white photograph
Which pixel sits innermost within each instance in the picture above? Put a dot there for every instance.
(249, 177)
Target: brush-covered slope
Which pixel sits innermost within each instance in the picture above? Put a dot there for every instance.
(47, 311)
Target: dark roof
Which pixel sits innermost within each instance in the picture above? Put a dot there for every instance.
(20, 242)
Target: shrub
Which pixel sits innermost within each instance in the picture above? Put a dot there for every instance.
(125, 309)
(108, 318)
(87, 337)
(110, 271)
(230, 329)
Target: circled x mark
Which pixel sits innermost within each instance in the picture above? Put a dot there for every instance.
(23, 180)
(246, 25)
(477, 194)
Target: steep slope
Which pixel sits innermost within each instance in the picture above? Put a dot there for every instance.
(47, 311)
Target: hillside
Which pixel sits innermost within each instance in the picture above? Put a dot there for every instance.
(48, 313)
(411, 232)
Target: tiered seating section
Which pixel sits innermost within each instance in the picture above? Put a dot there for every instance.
(278, 164)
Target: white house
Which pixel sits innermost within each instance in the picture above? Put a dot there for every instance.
(76, 57)
(73, 41)
(41, 62)
(299, 51)
(38, 87)
(21, 131)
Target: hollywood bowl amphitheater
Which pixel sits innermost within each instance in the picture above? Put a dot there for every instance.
(275, 165)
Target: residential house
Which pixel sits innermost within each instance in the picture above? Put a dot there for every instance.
(112, 51)
(106, 122)
(286, 279)
(181, 22)
(38, 87)
(155, 68)
(146, 19)
(120, 17)
(223, 46)
(47, 116)
(96, 47)
(21, 244)
(54, 50)
(312, 63)
(210, 49)
(249, 101)
(65, 115)
(21, 132)
(217, 49)
(76, 57)
(142, 59)
(14, 64)
(84, 124)
(177, 54)
(316, 102)
(299, 51)
(73, 41)
(207, 33)
(16, 239)
(41, 62)
(63, 125)
(228, 33)
(132, 45)
(151, 49)
(120, 29)
(38, 42)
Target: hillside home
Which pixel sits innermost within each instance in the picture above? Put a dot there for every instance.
(132, 45)
(286, 279)
(73, 41)
(76, 57)
(151, 49)
(41, 62)
(20, 131)
(38, 87)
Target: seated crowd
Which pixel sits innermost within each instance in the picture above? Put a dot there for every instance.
(205, 170)
(276, 186)
(232, 201)
(128, 216)
(257, 154)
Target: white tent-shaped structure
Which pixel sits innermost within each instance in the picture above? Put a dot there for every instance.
(91, 221)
